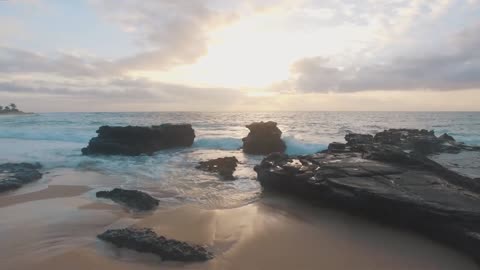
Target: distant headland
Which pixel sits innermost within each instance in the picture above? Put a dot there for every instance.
(11, 110)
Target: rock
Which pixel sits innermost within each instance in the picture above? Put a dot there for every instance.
(15, 175)
(385, 183)
(134, 140)
(356, 138)
(446, 138)
(336, 147)
(223, 166)
(134, 199)
(147, 241)
(419, 140)
(264, 138)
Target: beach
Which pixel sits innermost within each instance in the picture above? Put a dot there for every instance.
(53, 222)
(53, 225)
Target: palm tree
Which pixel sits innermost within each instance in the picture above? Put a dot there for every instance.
(1, 108)
(7, 109)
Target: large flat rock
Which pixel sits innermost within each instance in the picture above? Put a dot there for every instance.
(387, 183)
(136, 140)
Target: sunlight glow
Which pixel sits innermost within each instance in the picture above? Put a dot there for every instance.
(258, 51)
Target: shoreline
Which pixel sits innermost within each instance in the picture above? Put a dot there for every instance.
(55, 228)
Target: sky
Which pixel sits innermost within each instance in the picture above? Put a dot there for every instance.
(249, 55)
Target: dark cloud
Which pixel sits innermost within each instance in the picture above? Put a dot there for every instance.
(455, 66)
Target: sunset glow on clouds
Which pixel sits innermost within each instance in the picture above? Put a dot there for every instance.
(126, 55)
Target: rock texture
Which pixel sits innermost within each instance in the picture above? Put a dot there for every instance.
(422, 141)
(134, 140)
(264, 138)
(15, 175)
(223, 166)
(131, 198)
(146, 240)
(389, 180)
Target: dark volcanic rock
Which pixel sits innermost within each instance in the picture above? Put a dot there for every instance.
(264, 138)
(146, 240)
(336, 147)
(134, 140)
(223, 166)
(132, 198)
(388, 183)
(419, 140)
(447, 138)
(15, 175)
(356, 139)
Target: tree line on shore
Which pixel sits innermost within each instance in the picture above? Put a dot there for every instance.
(12, 108)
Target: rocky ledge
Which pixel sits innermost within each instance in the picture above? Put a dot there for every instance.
(134, 199)
(264, 138)
(389, 179)
(135, 140)
(223, 166)
(15, 175)
(146, 240)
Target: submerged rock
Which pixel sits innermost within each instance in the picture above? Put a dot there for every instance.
(388, 183)
(134, 140)
(146, 240)
(223, 166)
(264, 138)
(15, 175)
(135, 199)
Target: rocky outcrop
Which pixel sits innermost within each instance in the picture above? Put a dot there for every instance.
(131, 198)
(446, 138)
(422, 141)
(15, 175)
(418, 140)
(147, 241)
(356, 138)
(223, 166)
(134, 140)
(264, 138)
(387, 181)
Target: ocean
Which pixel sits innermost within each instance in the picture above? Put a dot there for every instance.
(55, 140)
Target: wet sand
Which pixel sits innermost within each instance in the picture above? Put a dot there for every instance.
(52, 225)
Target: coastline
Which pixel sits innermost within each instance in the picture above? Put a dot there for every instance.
(52, 224)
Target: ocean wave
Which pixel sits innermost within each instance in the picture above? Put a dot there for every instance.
(299, 147)
(219, 143)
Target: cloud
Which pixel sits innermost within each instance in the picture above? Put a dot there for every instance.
(121, 89)
(170, 32)
(453, 67)
(167, 34)
(13, 60)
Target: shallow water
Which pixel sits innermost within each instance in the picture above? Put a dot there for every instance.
(52, 223)
(55, 140)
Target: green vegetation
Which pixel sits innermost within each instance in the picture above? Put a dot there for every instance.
(10, 109)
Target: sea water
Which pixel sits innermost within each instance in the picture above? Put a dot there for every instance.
(55, 140)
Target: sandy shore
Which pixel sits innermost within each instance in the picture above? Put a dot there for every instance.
(52, 225)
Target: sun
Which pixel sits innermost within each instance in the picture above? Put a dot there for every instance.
(256, 52)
